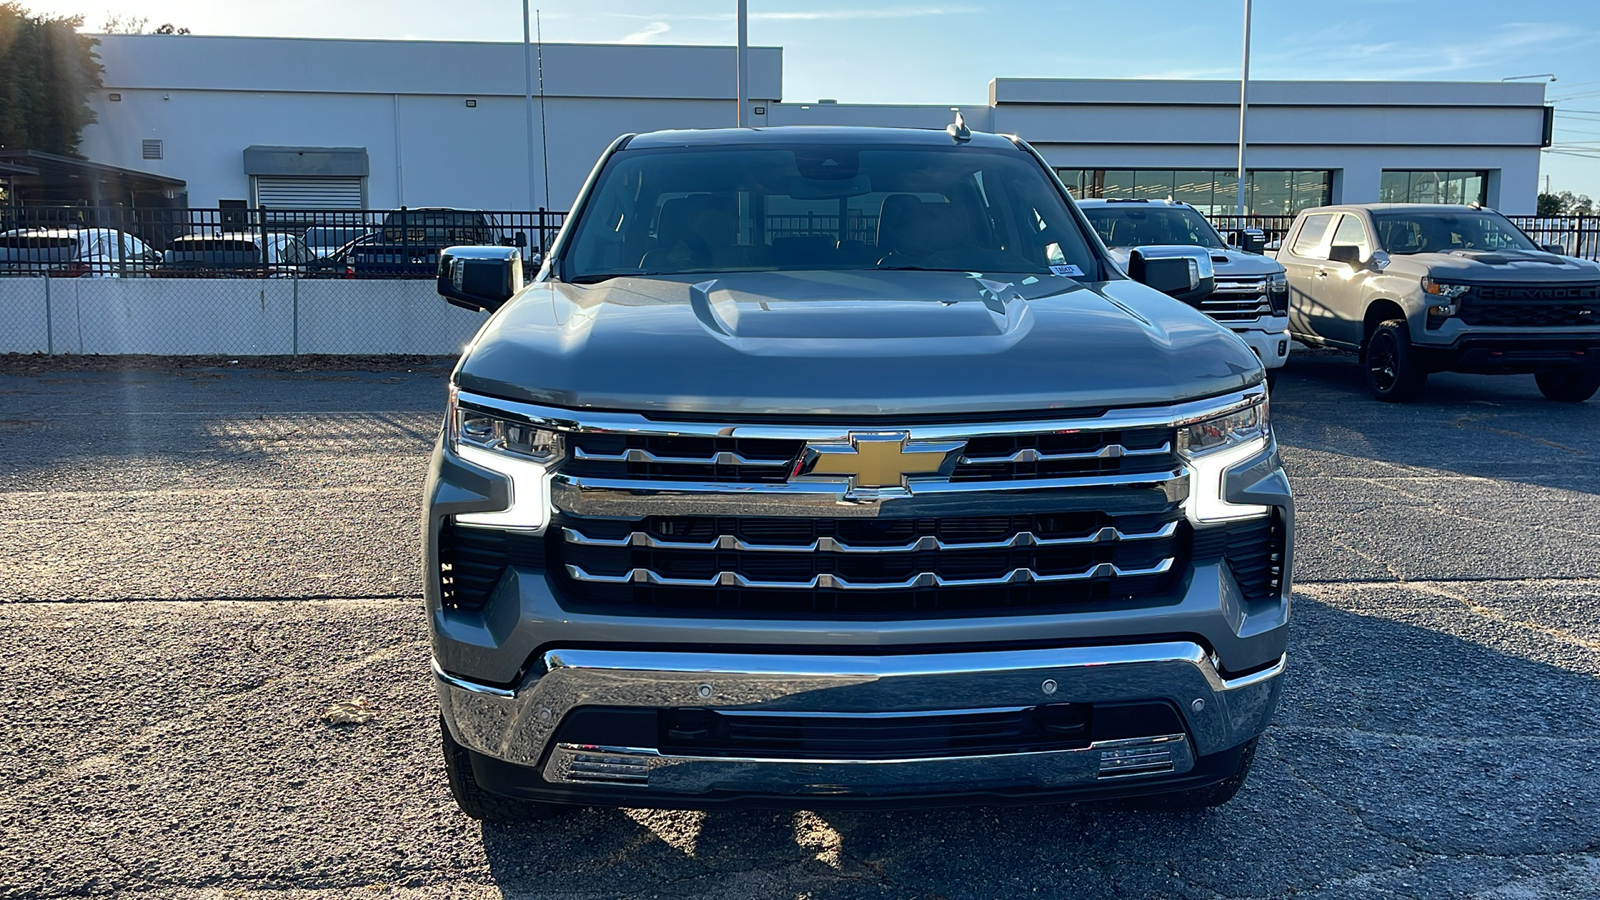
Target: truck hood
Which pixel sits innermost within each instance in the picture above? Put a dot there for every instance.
(1496, 266)
(1226, 262)
(852, 343)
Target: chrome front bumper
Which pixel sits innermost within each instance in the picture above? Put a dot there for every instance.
(518, 726)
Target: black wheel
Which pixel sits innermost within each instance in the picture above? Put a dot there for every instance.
(481, 804)
(1392, 372)
(1568, 387)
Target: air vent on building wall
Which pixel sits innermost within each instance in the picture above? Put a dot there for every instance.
(152, 149)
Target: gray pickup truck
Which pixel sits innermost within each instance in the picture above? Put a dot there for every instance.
(1251, 293)
(842, 467)
(1417, 288)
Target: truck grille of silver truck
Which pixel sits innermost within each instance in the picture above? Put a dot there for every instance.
(1532, 306)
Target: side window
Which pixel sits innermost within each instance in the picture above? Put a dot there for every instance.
(1308, 243)
(1352, 232)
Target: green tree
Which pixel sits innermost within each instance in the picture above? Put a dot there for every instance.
(1565, 203)
(47, 72)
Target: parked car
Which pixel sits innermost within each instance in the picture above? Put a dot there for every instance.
(1418, 288)
(234, 255)
(72, 252)
(408, 242)
(1251, 293)
(949, 509)
(325, 240)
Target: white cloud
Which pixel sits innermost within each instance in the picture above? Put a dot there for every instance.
(645, 34)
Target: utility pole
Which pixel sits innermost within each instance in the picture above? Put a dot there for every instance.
(527, 91)
(742, 63)
(1244, 102)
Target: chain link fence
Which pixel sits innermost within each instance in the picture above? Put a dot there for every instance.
(288, 282)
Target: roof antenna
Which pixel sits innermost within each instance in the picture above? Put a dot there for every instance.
(959, 130)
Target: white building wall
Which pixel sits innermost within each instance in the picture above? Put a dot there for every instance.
(208, 98)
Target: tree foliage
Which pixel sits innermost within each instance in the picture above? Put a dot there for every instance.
(47, 72)
(119, 24)
(1565, 203)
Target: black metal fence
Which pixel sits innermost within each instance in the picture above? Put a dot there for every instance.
(255, 243)
(404, 243)
(1575, 235)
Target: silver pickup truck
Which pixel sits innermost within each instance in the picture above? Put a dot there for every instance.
(1417, 288)
(1251, 292)
(841, 466)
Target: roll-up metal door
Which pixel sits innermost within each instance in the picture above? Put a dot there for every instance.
(309, 192)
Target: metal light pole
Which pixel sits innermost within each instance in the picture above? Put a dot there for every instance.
(1244, 102)
(742, 62)
(527, 90)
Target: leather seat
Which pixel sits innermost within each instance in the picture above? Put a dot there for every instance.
(909, 229)
(696, 231)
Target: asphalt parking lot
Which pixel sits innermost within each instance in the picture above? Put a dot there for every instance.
(196, 562)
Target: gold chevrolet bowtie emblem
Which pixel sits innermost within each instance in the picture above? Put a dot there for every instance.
(880, 460)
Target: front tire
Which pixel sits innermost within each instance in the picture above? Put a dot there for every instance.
(1392, 372)
(480, 804)
(1568, 387)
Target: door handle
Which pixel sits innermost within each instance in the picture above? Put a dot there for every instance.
(1322, 273)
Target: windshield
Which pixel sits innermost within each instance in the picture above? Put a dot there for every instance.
(1425, 231)
(828, 207)
(1136, 225)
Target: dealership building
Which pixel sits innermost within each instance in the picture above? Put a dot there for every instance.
(341, 124)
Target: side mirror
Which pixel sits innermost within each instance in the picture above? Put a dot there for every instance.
(1185, 273)
(481, 278)
(1345, 253)
(1250, 240)
(1557, 249)
(520, 240)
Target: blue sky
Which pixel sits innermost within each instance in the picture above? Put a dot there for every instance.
(945, 51)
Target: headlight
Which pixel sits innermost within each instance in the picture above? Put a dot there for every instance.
(1214, 446)
(476, 428)
(1447, 293)
(1278, 293)
(522, 452)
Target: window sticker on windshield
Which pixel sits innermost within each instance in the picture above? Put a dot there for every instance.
(1067, 270)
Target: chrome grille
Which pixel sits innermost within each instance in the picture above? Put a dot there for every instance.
(648, 457)
(1238, 298)
(869, 566)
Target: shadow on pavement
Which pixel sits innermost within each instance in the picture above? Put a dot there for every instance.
(1397, 744)
(1497, 427)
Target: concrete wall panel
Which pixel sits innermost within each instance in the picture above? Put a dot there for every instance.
(382, 317)
(22, 316)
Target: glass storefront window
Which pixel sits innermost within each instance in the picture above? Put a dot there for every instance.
(1271, 193)
(1419, 186)
(1211, 191)
(1196, 188)
(1151, 184)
